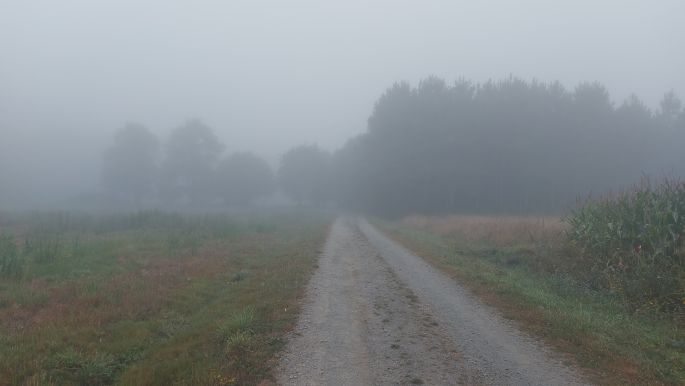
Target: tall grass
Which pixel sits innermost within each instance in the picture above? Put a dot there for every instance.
(493, 230)
(10, 261)
(631, 243)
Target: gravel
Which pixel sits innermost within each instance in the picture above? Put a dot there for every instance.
(376, 314)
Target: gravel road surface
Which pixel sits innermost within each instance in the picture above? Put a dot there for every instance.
(376, 314)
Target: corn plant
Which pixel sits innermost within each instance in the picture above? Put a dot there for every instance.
(632, 243)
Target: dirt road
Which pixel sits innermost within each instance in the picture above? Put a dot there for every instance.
(375, 314)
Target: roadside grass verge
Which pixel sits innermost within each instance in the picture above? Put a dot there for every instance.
(153, 298)
(517, 267)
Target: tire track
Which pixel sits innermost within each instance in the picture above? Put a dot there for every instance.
(375, 314)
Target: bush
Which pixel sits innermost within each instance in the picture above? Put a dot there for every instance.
(632, 243)
(10, 261)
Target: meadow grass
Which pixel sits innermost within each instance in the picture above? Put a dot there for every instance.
(517, 266)
(153, 298)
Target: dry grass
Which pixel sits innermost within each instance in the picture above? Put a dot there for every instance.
(501, 231)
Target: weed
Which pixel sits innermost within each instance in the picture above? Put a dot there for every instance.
(76, 247)
(238, 340)
(240, 322)
(43, 246)
(172, 325)
(96, 369)
(30, 298)
(243, 320)
(10, 261)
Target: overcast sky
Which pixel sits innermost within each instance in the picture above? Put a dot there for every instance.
(267, 75)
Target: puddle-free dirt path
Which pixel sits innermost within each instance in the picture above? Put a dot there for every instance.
(376, 314)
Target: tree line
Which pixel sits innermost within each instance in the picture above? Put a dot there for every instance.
(507, 146)
(189, 169)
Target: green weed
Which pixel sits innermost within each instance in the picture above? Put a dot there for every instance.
(43, 246)
(238, 340)
(11, 263)
(96, 369)
(238, 323)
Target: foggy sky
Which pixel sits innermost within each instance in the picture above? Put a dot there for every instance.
(268, 75)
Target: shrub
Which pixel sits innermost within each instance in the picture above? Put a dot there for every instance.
(632, 243)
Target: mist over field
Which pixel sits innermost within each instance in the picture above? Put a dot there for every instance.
(265, 77)
(365, 192)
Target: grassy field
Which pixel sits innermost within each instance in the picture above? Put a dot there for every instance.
(524, 267)
(150, 298)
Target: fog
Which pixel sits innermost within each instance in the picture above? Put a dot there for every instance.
(269, 76)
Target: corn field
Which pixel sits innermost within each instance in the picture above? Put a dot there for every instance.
(632, 244)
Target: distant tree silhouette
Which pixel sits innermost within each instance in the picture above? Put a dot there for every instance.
(305, 173)
(506, 146)
(243, 178)
(187, 172)
(130, 164)
(502, 146)
(671, 108)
